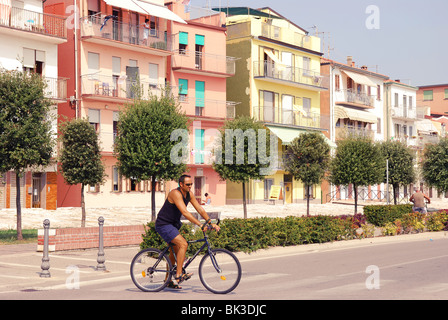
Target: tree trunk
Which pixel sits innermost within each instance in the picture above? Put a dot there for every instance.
(396, 191)
(307, 200)
(18, 208)
(355, 189)
(83, 207)
(244, 201)
(153, 198)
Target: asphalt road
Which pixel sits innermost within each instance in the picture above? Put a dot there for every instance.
(410, 267)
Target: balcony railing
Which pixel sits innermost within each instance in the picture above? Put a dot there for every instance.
(352, 96)
(271, 114)
(120, 87)
(346, 131)
(37, 22)
(220, 109)
(404, 112)
(266, 69)
(93, 26)
(203, 62)
(56, 88)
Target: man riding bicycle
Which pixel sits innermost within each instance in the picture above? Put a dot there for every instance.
(168, 223)
(418, 199)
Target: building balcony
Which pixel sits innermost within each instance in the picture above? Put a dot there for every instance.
(212, 109)
(115, 88)
(56, 89)
(33, 24)
(124, 35)
(261, 29)
(203, 63)
(351, 97)
(347, 131)
(287, 75)
(268, 114)
(403, 112)
(424, 139)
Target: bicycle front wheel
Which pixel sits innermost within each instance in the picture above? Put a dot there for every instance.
(220, 271)
(150, 270)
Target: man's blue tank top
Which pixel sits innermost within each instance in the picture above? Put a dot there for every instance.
(170, 214)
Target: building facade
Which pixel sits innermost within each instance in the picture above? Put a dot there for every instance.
(355, 106)
(278, 82)
(29, 41)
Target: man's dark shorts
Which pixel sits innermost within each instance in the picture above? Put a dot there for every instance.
(168, 232)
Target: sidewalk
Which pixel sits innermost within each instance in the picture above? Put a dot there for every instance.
(20, 265)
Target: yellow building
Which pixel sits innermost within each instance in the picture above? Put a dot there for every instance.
(277, 82)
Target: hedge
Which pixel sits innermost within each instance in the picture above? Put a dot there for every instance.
(380, 215)
(249, 235)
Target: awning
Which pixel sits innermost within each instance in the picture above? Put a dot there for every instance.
(158, 11)
(146, 9)
(289, 134)
(353, 114)
(239, 11)
(272, 56)
(361, 79)
(426, 126)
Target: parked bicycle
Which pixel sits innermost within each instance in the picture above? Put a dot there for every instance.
(219, 269)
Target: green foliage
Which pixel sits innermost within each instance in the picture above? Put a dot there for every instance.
(26, 138)
(435, 165)
(379, 215)
(254, 154)
(143, 145)
(80, 156)
(249, 235)
(358, 161)
(436, 221)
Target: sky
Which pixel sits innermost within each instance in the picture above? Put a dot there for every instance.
(402, 39)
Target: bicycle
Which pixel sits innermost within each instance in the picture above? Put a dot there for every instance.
(219, 269)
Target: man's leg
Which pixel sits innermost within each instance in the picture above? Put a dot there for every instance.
(180, 248)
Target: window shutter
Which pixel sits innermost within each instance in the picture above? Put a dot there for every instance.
(183, 38)
(183, 86)
(200, 93)
(200, 40)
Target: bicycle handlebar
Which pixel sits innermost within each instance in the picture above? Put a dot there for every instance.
(209, 227)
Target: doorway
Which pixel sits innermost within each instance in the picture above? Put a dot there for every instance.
(198, 183)
(37, 190)
(287, 178)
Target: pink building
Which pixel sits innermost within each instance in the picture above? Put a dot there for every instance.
(198, 69)
(111, 44)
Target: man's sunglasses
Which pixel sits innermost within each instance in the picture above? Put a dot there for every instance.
(188, 184)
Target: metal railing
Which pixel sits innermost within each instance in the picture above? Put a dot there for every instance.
(125, 32)
(287, 116)
(56, 88)
(346, 131)
(364, 194)
(211, 108)
(204, 62)
(401, 111)
(37, 22)
(279, 71)
(116, 87)
(352, 96)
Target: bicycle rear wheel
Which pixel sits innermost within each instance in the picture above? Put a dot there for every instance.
(220, 272)
(150, 270)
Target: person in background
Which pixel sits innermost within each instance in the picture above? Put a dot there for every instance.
(208, 199)
(418, 199)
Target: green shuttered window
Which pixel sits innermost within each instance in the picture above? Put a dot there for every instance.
(199, 145)
(183, 38)
(200, 40)
(200, 95)
(183, 86)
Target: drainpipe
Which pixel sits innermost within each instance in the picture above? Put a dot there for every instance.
(76, 58)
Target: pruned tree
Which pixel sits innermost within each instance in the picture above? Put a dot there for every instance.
(80, 157)
(357, 161)
(307, 160)
(245, 152)
(434, 165)
(144, 144)
(26, 136)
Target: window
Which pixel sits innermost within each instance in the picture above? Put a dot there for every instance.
(411, 102)
(95, 188)
(94, 119)
(183, 42)
(199, 46)
(337, 81)
(446, 93)
(378, 92)
(307, 105)
(405, 102)
(116, 70)
(378, 125)
(200, 97)
(93, 62)
(153, 75)
(427, 95)
(267, 187)
(115, 124)
(183, 89)
(396, 100)
(33, 60)
(306, 65)
(153, 22)
(199, 146)
(116, 180)
(411, 131)
(288, 116)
